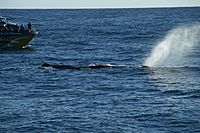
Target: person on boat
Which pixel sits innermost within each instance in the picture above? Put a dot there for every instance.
(29, 26)
(22, 28)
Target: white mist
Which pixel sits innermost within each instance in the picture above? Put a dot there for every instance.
(174, 47)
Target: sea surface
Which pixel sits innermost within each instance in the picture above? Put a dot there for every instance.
(164, 99)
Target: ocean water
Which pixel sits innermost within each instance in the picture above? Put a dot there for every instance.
(161, 98)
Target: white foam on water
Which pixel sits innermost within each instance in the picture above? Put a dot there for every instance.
(175, 46)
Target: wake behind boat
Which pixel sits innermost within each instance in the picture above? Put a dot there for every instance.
(14, 36)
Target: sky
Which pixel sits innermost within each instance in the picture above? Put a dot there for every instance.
(96, 3)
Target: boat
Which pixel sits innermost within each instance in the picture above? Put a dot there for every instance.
(13, 35)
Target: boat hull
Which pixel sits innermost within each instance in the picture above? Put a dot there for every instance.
(15, 40)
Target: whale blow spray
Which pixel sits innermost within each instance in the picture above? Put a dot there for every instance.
(176, 45)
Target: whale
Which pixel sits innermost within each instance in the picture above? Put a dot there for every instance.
(91, 66)
(46, 65)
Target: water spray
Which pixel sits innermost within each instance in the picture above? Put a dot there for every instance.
(176, 45)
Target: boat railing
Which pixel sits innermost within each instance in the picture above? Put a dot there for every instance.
(16, 29)
(9, 27)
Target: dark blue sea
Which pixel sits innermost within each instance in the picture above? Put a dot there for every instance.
(161, 98)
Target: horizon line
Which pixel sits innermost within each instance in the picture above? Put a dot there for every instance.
(142, 7)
